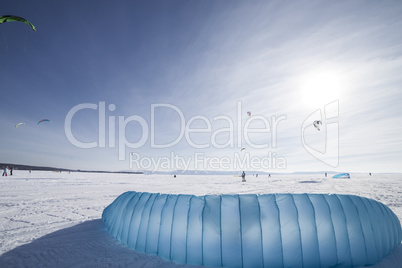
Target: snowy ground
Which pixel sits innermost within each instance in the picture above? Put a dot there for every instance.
(50, 219)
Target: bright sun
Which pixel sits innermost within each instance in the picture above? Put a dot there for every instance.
(320, 88)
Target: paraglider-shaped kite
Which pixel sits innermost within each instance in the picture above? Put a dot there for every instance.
(317, 124)
(341, 176)
(267, 230)
(19, 124)
(44, 120)
(7, 18)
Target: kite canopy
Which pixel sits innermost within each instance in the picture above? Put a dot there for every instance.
(269, 230)
(317, 124)
(19, 124)
(44, 120)
(341, 176)
(7, 18)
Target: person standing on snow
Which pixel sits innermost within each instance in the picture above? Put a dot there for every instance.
(5, 171)
(243, 177)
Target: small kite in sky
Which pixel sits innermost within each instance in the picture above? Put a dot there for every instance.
(7, 18)
(44, 120)
(317, 124)
(19, 124)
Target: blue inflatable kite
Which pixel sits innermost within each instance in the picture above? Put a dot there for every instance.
(341, 176)
(269, 230)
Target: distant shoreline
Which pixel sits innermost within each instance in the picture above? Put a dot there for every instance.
(182, 172)
(44, 168)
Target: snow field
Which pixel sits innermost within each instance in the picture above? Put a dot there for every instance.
(50, 219)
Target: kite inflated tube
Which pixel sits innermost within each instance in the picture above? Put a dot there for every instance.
(341, 176)
(269, 230)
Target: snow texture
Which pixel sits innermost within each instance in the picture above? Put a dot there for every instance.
(267, 230)
(53, 219)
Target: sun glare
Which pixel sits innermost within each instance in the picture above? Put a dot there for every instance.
(320, 88)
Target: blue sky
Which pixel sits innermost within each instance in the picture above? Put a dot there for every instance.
(203, 64)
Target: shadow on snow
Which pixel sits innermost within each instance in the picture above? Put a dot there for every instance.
(84, 245)
(90, 245)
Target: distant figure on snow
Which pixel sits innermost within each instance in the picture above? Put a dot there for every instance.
(243, 177)
(370, 173)
(5, 171)
(174, 176)
(325, 174)
(11, 171)
(269, 175)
